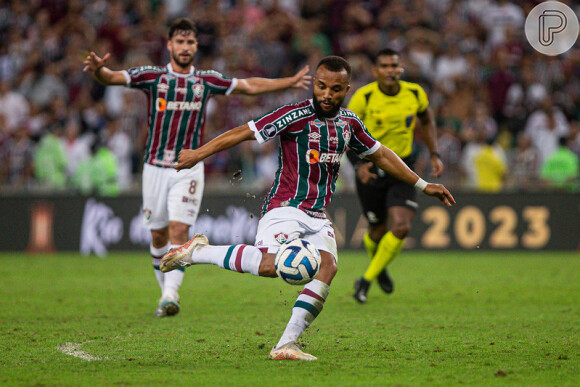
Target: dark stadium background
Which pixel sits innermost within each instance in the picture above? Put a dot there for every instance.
(484, 81)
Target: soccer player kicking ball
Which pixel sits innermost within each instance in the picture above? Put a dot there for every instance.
(313, 136)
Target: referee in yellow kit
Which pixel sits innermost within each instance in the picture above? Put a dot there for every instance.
(389, 108)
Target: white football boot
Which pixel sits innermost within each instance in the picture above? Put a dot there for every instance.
(290, 351)
(168, 305)
(181, 256)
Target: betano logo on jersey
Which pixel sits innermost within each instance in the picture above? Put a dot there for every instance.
(313, 156)
(163, 105)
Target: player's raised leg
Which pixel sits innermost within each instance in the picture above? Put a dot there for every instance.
(240, 258)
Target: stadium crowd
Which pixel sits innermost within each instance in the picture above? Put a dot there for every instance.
(495, 98)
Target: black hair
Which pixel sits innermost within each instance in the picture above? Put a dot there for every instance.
(335, 64)
(563, 141)
(386, 52)
(182, 24)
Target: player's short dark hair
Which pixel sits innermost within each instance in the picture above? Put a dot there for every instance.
(182, 24)
(335, 64)
(386, 52)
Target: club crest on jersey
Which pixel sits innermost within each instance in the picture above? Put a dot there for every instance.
(197, 90)
(314, 137)
(269, 130)
(313, 156)
(281, 237)
(346, 135)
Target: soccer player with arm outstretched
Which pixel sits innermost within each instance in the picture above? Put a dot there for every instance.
(177, 96)
(313, 136)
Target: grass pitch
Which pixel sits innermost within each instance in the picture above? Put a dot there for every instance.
(455, 318)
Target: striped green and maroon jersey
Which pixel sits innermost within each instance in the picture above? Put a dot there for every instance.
(309, 154)
(177, 104)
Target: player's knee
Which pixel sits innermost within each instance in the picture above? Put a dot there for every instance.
(377, 231)
(401, 228)
(159, 238)
(179, 232)
(328, 269)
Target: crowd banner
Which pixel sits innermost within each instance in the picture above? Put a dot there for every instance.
(95, 226)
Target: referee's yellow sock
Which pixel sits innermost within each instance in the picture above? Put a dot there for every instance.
(370, 245)
(387, 250)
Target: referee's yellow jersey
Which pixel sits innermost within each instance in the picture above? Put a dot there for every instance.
(390, 118)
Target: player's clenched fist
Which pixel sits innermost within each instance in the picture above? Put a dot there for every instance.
(187, 159)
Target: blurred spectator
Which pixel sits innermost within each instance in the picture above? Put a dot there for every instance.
(17, 163)
(120, 145)
(97, 174)
(43, 84)
(490, 167)
(561, 168)
(545, 126)
(499, 16)
(50, 162)
(77, 147)
(524, 163)
(499, 83)
(478, 123)
(13, 106)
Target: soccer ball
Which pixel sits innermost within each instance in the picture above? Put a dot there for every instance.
(297, 262)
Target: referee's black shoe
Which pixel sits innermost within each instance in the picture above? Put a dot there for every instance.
(386, 282)
(361, 288)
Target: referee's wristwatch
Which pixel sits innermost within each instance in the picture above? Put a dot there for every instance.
(436, 154)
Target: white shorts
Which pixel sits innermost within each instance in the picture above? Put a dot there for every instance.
(287, 223)
(171, 195)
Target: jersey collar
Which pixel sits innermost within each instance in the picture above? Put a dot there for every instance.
(170, 68)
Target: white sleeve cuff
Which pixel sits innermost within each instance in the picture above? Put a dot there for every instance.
(370, 151)
(259, 138)
(232, 86)
(127, 78)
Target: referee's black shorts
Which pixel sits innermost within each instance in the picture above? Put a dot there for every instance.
(384, 192)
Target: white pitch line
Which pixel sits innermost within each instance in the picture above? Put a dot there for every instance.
(73, 349)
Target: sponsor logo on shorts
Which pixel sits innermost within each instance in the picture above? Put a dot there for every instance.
(281, 237)
(186, 199)
(331, 234)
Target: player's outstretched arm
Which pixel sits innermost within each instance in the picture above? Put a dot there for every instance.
(253, 86)
(96, 66)
(388, 161)
(189, 157)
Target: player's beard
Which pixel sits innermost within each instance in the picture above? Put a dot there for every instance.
(321, 113)
(182, 63)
